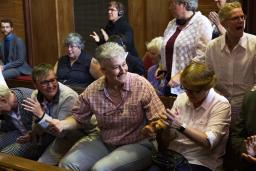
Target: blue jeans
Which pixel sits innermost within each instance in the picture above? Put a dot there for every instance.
(97, 156)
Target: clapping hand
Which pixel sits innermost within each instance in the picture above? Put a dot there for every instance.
(32, 105)
(55, 126)
(250, 145)
(214, 17)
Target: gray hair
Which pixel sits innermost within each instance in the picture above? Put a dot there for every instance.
(109, 50)
(4, 91)
(74, 39)
(191, 5)
(155, 44)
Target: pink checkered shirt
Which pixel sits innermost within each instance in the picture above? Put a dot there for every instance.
(119, 124)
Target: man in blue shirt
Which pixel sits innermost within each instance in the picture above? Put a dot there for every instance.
(12, 53)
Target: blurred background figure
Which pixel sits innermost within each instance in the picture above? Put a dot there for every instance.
(117, 24)
(134, 63)
(185, 40)
(12, 53)
(218, 29)
(153, 53)
(76, 68)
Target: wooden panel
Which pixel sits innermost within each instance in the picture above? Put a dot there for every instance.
(65, 22)
(9, 162)
(136, 14)
(13, 9)
(49, 21)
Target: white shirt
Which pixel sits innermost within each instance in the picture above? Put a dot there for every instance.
(2, 80)
(189, 45)
(212, 117)
(235, 70)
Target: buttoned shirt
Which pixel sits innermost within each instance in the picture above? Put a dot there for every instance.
(213, 118)
(119, 124)
(189, 45)
(236, 69)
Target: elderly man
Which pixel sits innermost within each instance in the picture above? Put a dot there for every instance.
(123, 103)
(199, 121)
(12, 53)
(51, 100)
(15, 121)
(232, 56)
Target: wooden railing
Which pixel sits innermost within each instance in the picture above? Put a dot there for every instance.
(14, 163)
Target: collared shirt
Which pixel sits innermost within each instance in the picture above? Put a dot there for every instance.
(236, 69)
(119, 124)
(16, 119)
(77, 74)
(189, 45)
(212, 117)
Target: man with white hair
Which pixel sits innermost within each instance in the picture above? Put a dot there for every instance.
(15, 121)
(123, 103)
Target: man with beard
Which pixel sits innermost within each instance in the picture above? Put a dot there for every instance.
(12, 53)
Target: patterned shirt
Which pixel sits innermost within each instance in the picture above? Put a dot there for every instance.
(213, 118)
(189, 45)
(119, 124)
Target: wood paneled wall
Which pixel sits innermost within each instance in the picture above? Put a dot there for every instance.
(49, 21)
(13, 9)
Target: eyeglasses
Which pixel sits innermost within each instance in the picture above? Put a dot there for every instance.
(238, 18)
(71, 46)
(46, 83)
(190, 91)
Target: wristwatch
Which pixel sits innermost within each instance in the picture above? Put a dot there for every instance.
(181, 128)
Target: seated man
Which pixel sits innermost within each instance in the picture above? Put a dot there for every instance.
(15, 121)
(12, 53)
(51, 100)
(123, 103)
(199, 121)
(245, 131)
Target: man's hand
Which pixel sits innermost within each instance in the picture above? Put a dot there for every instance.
(55, 126)
(95, 36)
(24, 138)
(250, 145)
(32, 105)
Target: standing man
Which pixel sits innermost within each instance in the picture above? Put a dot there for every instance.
(118, 25)
(123, 103)
(12, 53)
(51, 100)
(232, 56)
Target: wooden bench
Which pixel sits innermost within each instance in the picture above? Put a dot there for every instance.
(14, 163)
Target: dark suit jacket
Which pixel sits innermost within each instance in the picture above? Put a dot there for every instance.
(17, 56)
(26, 117)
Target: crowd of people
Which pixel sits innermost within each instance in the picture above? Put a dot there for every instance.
(206, 63)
